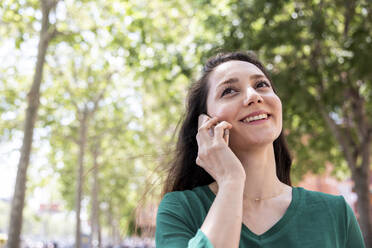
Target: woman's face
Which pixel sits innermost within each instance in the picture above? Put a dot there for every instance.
(240, 94)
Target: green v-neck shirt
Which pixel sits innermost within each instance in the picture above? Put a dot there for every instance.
(312, 220)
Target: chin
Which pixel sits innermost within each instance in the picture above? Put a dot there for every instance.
(256, 141)
(248, 145)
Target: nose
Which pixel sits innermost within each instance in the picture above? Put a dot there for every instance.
(252, 97)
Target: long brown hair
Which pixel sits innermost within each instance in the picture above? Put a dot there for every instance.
(184, 173)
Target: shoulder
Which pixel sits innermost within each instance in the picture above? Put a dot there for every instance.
(184, 195)
(322, 203)
(188, 207)
(333, 213)
(315, 197)
(180, 215)
(185, 199)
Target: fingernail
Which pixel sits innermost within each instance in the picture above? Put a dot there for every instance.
(226, 132)
(210, 131)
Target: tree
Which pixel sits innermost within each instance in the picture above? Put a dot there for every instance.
(85, 110)
(96, 230)
(47, 33)
(80, 105)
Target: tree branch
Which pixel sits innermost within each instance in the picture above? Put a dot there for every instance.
(349, 13)
(345, 141)
(68, 89)
(50, 4)
(50, 34)
(102, 92)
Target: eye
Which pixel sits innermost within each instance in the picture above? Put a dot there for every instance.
(262, 84)
(228, 90)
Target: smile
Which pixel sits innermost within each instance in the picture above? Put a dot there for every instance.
(256, 118)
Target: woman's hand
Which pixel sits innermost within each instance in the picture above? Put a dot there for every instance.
(214, 154)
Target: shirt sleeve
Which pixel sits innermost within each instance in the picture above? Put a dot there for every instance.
(173, 229)
(354, 235)
(200, 240)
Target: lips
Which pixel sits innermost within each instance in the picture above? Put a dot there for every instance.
(256, 118)
(256, 113)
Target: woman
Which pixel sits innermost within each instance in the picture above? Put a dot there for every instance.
(229, 185)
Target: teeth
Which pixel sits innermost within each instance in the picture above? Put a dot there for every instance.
(255, 118)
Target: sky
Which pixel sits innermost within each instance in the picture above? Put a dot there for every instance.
(9, 156)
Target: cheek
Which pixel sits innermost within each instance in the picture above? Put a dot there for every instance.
(274, 101)
(278, 109)
(279, 106)
(222, 113)
(225, 112)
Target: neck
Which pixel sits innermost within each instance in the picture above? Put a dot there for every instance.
(261, 179)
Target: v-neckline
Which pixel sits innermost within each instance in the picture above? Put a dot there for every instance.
(278, 226)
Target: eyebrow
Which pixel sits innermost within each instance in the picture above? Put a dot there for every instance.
(235, 80)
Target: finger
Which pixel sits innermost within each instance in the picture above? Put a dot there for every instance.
(219, 130)
(210, 123)
(201, 119)
(210, 132)
(198, 161)
(226, 134)
(209, 126)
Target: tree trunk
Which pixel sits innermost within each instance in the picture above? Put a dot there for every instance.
(356, 151)
(360, 179)
(360, 172)
(111, 223)
(80, 172)
(99, 234)
(16, 215)
(360, 168)
(83, 116)
(95, 236)
(361, 176)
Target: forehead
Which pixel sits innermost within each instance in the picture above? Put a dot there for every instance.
(233, 68)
